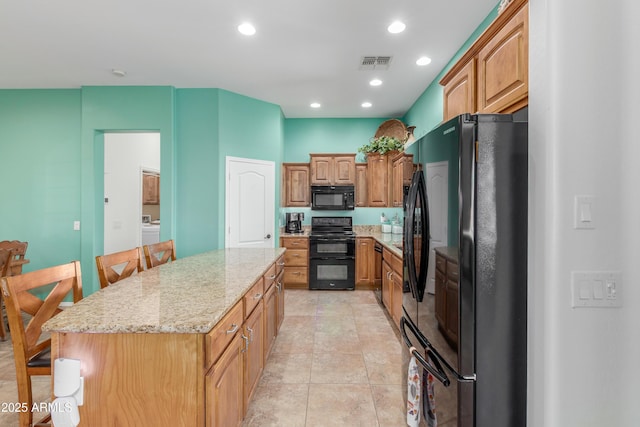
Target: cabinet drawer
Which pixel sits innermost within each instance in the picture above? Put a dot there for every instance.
(253, 297)
(295, 243)
(441, 264)
(452, 271)
(396, 265)
(270, 277)
(222, 334)
(280, 264)
(295, 275)
(296, 257)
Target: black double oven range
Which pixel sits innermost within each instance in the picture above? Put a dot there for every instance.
(332, 253)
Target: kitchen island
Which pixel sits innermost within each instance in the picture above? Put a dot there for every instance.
(180, 344)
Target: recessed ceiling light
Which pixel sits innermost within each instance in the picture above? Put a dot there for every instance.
(315, 105)
(396, 27)
(375, 82)
(366, 105)
(247, 29)
(423, 60)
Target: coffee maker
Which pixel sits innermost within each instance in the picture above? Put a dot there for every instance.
(293, 222)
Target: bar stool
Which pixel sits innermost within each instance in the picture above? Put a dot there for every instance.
(159, 253)
(131, 259)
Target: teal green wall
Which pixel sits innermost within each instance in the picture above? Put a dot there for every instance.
(304, 136)
(197, 160)
(126, 108)
(252, 129)
(427, 112)
(41, 169)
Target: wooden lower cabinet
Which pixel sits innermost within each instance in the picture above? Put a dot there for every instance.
(365, 262)
(270, 318)
(280, 300)
(392, 281)
(224, 387)
(253, 335)
(296, 261)
(386, 284)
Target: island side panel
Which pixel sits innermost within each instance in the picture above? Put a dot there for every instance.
(158, 378)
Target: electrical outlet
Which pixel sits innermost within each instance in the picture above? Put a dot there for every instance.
(76, 225)
(596, 289)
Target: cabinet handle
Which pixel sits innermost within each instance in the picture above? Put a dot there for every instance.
(281, 263)
(233, 330)
(250, 334)
(297, 273)
(272, 277)
(295, 255)
(246, 344)
(257, 296)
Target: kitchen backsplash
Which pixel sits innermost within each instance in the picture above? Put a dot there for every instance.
(361, 216)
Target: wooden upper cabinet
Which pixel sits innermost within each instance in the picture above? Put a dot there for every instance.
(402, 174)
(378, 173)
(150, 189)
(460, 92)
(333, 169)
(503, 67)
(493, 75)
(296, 184)
(361, 185)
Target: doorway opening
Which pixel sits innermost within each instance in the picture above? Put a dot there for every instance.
(131, 189)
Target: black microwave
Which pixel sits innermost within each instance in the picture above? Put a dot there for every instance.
(332, 197)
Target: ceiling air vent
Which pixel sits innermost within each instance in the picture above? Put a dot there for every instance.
(375, 62)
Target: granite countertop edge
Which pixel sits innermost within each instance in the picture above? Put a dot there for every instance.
(190, 295)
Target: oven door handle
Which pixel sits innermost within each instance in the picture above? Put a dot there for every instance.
(322, 239)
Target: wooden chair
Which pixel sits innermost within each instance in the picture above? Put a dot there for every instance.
(19, 250)
(6, 255)
(159, 253)
(132, 260)
(30, 352)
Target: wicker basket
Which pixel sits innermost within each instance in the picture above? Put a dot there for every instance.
(394, 128)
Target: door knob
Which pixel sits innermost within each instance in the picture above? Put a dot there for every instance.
(268, 236)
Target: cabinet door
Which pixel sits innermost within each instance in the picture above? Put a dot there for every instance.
(270, 318)
(344, 170)
(361, 185)
(296, 184)
(364, 260)
(321, 170)
(254, 355)
(397, 182)
(280, 300)
(386, 285)
(378, 182)
(460, 92)
(224, 388)
(396, 298)
(503, 67)
(150, 189)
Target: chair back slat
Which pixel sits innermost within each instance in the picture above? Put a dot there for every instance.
(107, 274)
(159, 253)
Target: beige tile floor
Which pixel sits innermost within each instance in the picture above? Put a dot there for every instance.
(336, 362)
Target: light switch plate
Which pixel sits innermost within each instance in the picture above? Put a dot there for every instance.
(596, 289)
(584, 217)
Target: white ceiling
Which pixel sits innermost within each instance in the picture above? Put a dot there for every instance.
(303, 50)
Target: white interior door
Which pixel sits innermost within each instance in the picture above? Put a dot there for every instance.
(250, 203)
(437, 192)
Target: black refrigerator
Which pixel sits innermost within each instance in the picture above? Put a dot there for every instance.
(478, 378)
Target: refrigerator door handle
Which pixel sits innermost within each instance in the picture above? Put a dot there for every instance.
(437, 370)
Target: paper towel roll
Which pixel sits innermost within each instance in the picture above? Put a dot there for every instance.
(64, 412)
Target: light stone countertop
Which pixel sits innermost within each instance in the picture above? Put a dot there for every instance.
(189, 295)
